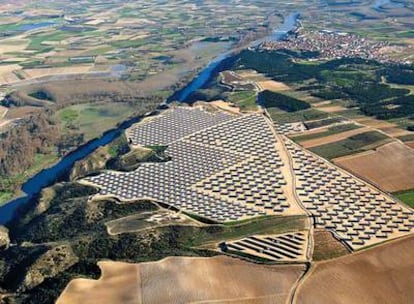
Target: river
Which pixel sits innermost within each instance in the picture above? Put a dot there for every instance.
(380, 5)
(49, 176)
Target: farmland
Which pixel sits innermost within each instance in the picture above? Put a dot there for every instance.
(406, 196)
(200, 279)
(282, 179)
(127, 216)
(382, 274)
(392, 174)
(351, 145)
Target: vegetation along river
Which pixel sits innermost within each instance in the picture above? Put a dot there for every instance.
(49, 176)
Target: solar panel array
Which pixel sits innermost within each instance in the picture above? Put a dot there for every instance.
(207, 149)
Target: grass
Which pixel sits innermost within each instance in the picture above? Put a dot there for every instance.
(406, 196)
(246, 100)
(93, 119)
(279, 116)
(331, 131)
(407, 138)
(263, 225)
(36, 41)
(121, 44)
(11, 185)
(5, 196)
(326, 246)
(353, 144)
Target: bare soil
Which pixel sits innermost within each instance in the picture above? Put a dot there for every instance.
(185, 280)
(332, 138)
(382, 274)
(390, 166)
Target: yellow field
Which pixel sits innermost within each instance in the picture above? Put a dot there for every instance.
(6, 73)
(185, 280)
(35, 73)
(272, 85)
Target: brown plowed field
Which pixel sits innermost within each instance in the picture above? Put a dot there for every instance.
(332, 109)
(332, 138)
(119, 283)
(273, 85)
(382, 274)
(390, 166)
(410, 144)
(185, 280)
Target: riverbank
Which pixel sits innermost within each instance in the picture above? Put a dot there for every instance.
(56, 172)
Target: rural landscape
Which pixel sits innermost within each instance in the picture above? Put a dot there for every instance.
(206, 151)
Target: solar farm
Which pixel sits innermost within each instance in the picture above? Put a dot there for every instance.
(354, 210)
(230, 167)
(287, 247)
(223, 167)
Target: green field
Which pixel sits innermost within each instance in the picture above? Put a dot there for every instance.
(406, 197)
(351, 145)
(93, 119)
(331, 131)
(246, 100)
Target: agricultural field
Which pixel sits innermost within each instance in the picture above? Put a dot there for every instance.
(406, 197)
(281, 180)
(389, 166)
(200, 279)
(245, 100)
(121, 39)
(351, 145)
(327, 139)
(323, 132)
(377, 275)
(141, 215)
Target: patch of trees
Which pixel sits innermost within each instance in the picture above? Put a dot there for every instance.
(37, 133)
(50, 289)
(42, 95)
(281, 65)
(329, 94)
(395, 108)
(372, 93)
(66, 219)
(17, 260)
(277, 65)
(399, 74)
(286, 103)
